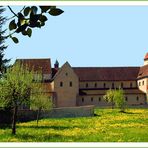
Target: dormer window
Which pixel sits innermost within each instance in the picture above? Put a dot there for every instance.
(140, 74)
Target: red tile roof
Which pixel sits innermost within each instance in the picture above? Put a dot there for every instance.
(37, 64)
(107, 73)
(143, 72)
(146, 56)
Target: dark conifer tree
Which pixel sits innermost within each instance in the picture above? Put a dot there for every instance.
(3, 62)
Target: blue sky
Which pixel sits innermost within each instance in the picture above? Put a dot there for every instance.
(88, 36)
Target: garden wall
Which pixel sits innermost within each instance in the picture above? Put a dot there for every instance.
(64, 112)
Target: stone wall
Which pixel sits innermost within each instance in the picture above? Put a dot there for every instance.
(28, 115)
(82, 111)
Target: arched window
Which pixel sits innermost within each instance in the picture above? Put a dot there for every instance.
(121, 85)
(70, 83)
(142, 82)
(131, 85)
(61, 84)
(99, 99)
(95, 85)
(86, 85)
(104, 85)
(112, 85)
(126, 98)
(82, 99)
(92, 99)
(137, 98)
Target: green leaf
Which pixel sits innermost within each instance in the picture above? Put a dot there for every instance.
(45, 8)
(42, 24)
(24, 32)
(27, 10)
(20, 15)
(34, 9)
(12, 25)
(43, 18)
(21, 28)
(15, 40)
(55, 12)
(29, 32)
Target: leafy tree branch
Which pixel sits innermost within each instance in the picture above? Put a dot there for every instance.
(29, 18)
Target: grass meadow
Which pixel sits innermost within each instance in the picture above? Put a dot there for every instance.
(106, 126)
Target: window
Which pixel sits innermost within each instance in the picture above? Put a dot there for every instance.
(66, 74)
(70, 83)
(139, 83)
(92, 99)
(82, 99)
(142, 82)
(112, 85)
(104, 85)
(95, 85)
(99, 99)
(61, 84)
(86, 85)
(121, 85)
(131, 85)
(137, 98)
(126, 99)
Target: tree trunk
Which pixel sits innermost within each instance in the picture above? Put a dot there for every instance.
(112, 105)
(14, 120)
(38, 115)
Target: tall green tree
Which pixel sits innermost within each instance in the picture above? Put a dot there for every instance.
(40, 101)
(119, 100)
(3, 61)
(116, 98)
(109, 97)
(17, 88)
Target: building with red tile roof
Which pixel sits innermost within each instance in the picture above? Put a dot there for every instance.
(77, 86)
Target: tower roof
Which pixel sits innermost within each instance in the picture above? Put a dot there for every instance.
(146, 56)
(56, 62)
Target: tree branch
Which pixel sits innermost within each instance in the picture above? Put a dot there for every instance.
(12, 11)
(15, 14)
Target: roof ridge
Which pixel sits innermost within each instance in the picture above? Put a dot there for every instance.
(34, 59)
(111, 67)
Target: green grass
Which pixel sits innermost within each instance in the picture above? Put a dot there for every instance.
(107, 126)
